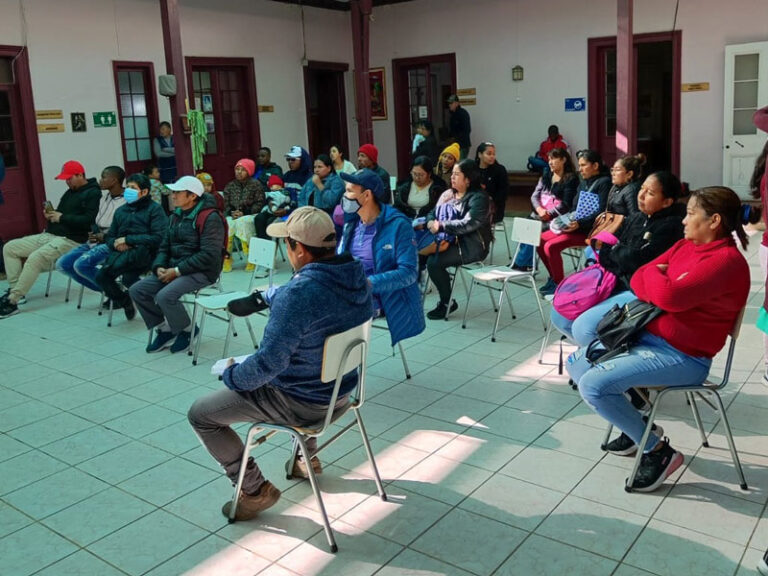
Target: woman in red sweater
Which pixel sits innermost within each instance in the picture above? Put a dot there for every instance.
(701, 283)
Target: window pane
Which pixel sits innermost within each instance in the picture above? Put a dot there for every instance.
(130, 151)
(125, 106)
(223, 80)
(234, 141)
(8, 152)
(210, 147)
(5, 103)
(745, 95)
(742, 122)
(142, 127)
(128, 131)
(209, 122)
(139, 106)
(145, 149)
(123, 79)
(205, 80)
(6, 129)
(137, 82)
(196, 81)
(746, 67)
(234, 101)
(234, 80)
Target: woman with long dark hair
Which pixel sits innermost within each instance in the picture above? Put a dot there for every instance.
(493, 178)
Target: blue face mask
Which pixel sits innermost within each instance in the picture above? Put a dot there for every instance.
(131, 195)
(350, 205)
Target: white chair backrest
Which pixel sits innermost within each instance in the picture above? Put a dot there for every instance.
(393, 183)
(261, 252)
(336, 346)
(526, 231)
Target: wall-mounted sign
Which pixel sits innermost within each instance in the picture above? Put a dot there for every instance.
(266, 108)
(49, 114)
(467, 101)
(575, 104)
(104, 120)
(696, 87)
(45, 128)
(466, 92)
(78, 121)
(423, 112)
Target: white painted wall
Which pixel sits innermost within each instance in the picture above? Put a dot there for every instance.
(489, 37)
(72, 44)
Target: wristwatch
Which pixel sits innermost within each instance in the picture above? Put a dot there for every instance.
(178, 272)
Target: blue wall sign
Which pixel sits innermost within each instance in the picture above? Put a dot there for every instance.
(575, 104)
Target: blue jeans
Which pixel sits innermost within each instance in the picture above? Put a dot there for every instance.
(524, 255)
(536, 164)
(583, 329)
(82, 263)
(651, 361)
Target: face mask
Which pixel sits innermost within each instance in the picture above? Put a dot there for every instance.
(350, 205)
(131, 195)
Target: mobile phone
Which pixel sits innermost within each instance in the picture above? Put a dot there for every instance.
(48, 206)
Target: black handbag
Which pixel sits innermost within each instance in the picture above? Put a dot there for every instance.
(620, 328)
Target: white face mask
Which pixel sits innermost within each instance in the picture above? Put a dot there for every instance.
(350, 205)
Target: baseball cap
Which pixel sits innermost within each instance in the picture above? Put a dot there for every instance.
(294, 152)
(308, 225)
(368, 179)
(452, 98)
(187, 183)
(70, 168)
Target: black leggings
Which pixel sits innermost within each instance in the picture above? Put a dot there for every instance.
(437, 265)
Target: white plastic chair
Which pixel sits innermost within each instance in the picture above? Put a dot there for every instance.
(261, 253)
(524, 231)
(342, 354)
(710, 387)
(499, 227)
(407, 370)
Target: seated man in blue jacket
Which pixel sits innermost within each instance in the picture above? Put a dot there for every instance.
(381, 237)
(280, 382)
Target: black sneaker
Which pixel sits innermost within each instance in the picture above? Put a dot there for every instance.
(625, 446)
(248, 305)
(183, 341)
(657, 466)
(8, 309)
(7, 295)
(162, 340)
(548, 288)
(441, 310)
(521, 268)
(762, 566)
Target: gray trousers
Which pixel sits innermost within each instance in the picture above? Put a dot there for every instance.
(212, 415)
(158, 302)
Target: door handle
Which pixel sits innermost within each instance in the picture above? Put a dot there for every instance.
(739, 143)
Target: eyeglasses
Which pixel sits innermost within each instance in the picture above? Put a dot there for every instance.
(415, 174)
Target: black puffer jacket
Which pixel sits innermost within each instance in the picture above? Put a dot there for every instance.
(623, 200)
(78, 212)
(641, 239)
(404, 190)
(495, 181)
(143, 225)
(189, 250)
(472, 225)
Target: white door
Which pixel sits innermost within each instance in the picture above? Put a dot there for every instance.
(746, 90)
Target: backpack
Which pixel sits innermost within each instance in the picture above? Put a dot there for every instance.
(200, 224)
(582, 290)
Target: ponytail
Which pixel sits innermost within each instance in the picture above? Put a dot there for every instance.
(733, 214)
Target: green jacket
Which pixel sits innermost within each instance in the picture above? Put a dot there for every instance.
(78, 212)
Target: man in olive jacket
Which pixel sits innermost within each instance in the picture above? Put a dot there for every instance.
(190, 257)
(133, 240)
(68, 227)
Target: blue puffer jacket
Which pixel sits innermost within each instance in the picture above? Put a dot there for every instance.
(322, 299)
(326, 199)
(395, 280)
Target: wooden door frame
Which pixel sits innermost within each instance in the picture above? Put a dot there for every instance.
(33, 160)
(251, 100)
(153, 117)
(594, 45)
(330, 67)
(401, 101)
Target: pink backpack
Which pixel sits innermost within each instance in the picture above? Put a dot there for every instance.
(582, 290)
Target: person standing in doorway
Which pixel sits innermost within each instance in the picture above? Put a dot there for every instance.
(165, 154)
(459, 126)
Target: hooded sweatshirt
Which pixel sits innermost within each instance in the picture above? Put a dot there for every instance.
(78, 212)
(324, 298)
(294, 180)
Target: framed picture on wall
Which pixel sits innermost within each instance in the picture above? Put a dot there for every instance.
(377, 90)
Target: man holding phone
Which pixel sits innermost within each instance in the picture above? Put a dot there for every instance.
(68, 226)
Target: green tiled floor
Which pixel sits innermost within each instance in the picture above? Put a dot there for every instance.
(491, 462)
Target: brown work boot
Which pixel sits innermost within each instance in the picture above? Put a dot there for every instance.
(300, 468)
(248, 507)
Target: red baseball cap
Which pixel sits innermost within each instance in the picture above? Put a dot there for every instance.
(69, 169)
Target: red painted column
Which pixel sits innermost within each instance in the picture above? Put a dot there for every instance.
(626, 94)
(174, 64)
(361, 15)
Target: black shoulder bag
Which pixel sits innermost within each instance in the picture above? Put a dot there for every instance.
(620, 328)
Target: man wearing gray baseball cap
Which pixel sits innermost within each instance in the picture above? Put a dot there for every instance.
(280, 382)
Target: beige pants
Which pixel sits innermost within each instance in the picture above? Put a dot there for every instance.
(41, 252)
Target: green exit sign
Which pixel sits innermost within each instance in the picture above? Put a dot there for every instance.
(104, 119)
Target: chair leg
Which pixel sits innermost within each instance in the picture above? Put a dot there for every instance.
(538, 302)
(405, 361)
(509, 301)
(199, 336)
(69, 287)
(731, 443)
(450, 298)
(490, 253)
(607, 437)
(369, 452)
(102, 298)
(545, 342)
(193, 338)
(697, 418)
(111, 312)
(316, 489)
(80, 296)
(230, 329)
(643, 442)
(252, 333)
(48, 285)
(252, 431)
(498, 313)
(466, 306)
